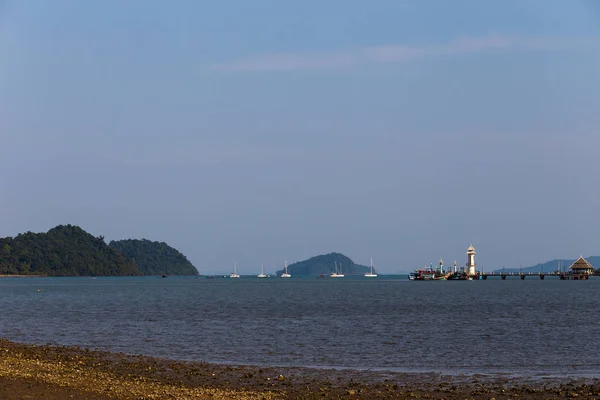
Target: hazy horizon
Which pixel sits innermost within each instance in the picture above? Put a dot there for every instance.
(273, 131)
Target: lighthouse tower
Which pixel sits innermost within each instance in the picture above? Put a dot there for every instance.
(471, 261)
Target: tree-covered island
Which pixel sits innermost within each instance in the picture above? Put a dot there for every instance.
(154, 258)
(325, 265)
(68, 250)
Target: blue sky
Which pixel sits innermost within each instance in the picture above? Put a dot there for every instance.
(267, 131)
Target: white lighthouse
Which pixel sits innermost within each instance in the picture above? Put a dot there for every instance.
(471, 261)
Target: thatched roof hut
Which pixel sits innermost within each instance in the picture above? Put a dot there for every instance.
(581, 266)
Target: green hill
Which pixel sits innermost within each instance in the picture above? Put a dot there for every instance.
(325, 265)
(65, 250)
(154, 258)
(551, 266)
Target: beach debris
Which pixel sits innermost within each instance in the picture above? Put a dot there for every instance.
(71, 372)
(99, 374)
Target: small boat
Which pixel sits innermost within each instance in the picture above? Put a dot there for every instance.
(371, 274)
(234, 274)
(336, 274)
(425, 274)
(262, 272)
(429, 274)
(286, 274)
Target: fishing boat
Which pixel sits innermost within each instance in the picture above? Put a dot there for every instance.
(431, 274)
(234, 274)
(262, 272)
(337, 274)
(457, 276)
(424, 274)
(371, 274)
(286, 274)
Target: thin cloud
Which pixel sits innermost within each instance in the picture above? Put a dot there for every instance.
(400, 53)
(286, 62)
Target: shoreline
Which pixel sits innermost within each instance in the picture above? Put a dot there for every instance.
(58, 372)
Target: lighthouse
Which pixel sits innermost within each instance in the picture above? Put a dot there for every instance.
(471, 261)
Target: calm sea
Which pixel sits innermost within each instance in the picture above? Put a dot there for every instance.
(529, 327)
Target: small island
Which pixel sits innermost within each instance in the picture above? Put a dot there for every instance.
(325, 265)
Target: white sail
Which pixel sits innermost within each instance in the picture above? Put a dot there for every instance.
(286, 274)
(262, 272)
(371, 274)
(234, 274)
(337, 274)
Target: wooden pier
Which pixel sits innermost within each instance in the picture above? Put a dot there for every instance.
(581, 270)
(541, 275)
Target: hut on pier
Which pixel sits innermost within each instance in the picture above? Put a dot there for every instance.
(581, 269)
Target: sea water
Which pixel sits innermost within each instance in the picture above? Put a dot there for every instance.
(526, 327)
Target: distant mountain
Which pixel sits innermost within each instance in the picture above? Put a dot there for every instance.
(154, 258)
(65, 250)
(325, 265)
(552, 265)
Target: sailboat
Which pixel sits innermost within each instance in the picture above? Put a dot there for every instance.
(371, 274)
(286, 274)
(262, 272)
(234, 274)
(336, 274)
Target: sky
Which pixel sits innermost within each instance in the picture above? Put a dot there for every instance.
(271, 131)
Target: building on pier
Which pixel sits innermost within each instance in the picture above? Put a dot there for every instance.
(581, 269)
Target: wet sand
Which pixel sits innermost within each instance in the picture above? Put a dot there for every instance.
(57, 372)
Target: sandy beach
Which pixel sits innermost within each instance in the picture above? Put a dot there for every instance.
(56, 372)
